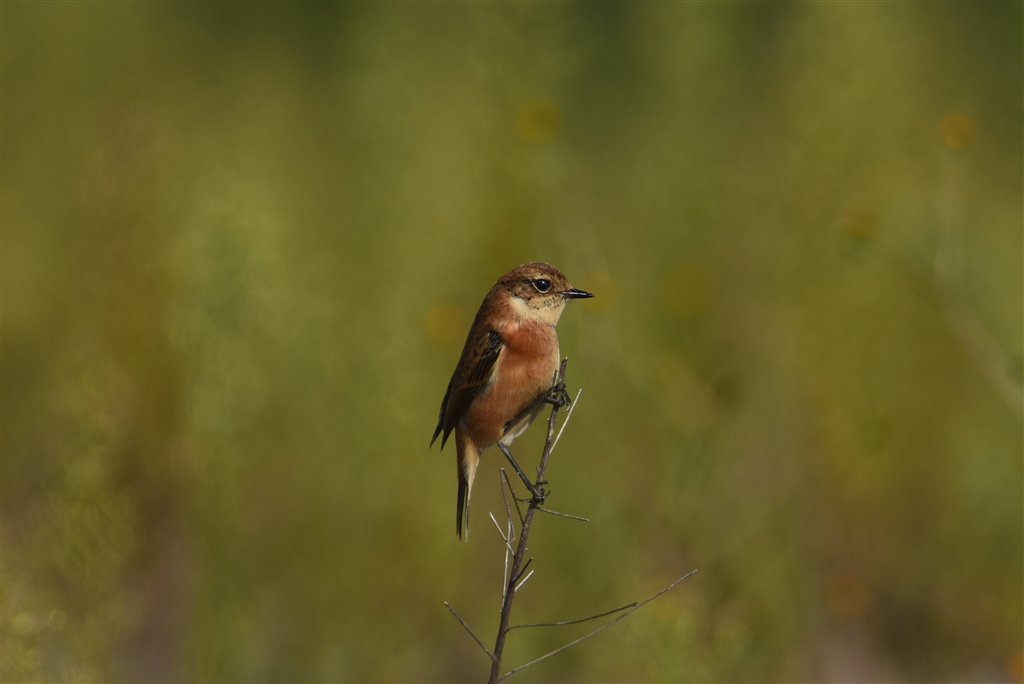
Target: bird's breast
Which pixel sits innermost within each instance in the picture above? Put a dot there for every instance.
(524, 371)
(530, 357)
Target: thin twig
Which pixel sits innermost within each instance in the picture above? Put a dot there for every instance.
(508, 549)
(503, 537)
(520, 585)
(572, 407)
(561, 515)
(535, 501)
(517, 576)
(549, 443)
(504, 476)
(508, 511)
(508, 537)
(522, 570)
(463, 623)
(666, 589)
(601, 628)
(573, 622)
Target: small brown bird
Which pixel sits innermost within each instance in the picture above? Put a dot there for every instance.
(509, 361)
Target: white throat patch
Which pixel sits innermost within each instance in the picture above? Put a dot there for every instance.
(545, 314)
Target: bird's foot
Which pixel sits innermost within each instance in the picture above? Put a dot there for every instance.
(539, 495)
(556, 396)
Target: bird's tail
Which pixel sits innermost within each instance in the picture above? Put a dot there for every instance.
(468, 458)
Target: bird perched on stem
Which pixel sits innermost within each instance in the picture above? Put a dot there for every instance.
(506, 368)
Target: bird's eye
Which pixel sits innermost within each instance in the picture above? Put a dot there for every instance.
(542, 284)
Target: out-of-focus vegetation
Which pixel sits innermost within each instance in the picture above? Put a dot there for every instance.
(242, 244)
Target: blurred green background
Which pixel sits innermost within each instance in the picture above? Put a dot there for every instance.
(242, 244)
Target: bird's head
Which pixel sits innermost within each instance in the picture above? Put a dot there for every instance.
(538, 291)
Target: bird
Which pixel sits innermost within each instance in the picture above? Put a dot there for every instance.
(508, 363)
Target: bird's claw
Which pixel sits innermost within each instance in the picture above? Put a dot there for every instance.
(539, 495)
(556, 396)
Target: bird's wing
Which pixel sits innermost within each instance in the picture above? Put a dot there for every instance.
(471, 375)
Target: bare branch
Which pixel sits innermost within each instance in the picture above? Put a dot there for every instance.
(599, 629)
(511, 534)
(508, 511)
(562, 648)
(537, 498)
(463, 623)
(520, 585)
(516, 576)
(503, 537)
(561, 515)
(572, 407)
(666, 589)
(549, 443)
(522, 571)
(575, 622)
(504, 476)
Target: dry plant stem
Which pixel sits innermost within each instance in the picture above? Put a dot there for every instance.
(524, 533)
(572, 407)
(504, 537)
(516, 577)
(631, 608)
(562, 515)
(463, 623)
(509, 537)
(515, 501)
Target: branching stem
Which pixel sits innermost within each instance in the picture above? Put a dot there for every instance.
(516, 576)
(557, 389)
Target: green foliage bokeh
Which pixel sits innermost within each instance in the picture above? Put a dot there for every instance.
(241, 247)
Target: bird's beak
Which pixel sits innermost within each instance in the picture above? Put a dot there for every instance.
(576, 294)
